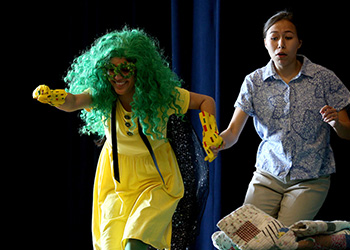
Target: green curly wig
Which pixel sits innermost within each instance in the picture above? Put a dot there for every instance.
(155, 82)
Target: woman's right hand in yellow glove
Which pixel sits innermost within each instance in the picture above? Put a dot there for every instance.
(53, 97)
(63, 100)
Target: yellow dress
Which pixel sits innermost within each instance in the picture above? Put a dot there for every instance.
(141, 206)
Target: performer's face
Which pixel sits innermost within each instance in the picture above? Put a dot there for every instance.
(282, 43)
(123, 82)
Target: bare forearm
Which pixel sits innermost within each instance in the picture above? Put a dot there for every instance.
(229, 138)
(202, 103)
(208, 105)
(76, 102)
(339, 121)
(342, 128)
(61, 99)
(232, 133)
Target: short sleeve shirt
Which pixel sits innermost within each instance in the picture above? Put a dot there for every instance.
(295, 139)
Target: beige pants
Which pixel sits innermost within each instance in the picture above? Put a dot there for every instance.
(287, 200)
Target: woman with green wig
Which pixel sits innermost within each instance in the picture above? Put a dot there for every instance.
(126, 92)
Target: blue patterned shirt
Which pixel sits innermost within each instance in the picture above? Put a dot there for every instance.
(295, 139)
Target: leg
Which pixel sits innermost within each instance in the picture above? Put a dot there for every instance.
(335, 242)
(133, 244)
(265, 193)
(306, 244)
(303, 200)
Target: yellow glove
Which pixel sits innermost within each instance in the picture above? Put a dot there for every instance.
(53, 97)
(211, 135)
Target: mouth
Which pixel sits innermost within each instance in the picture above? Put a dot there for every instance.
(120, 83)
(281, 54)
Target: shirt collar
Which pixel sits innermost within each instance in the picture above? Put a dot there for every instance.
(307, 68)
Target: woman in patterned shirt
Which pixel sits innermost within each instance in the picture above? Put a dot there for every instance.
(294, 103)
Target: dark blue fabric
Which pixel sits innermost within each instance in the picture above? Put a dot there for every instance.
(195, 55)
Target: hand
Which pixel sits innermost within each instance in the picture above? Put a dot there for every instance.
(211, 137)
(216, 150)
(41, 93)
(329, 115)
(53, 97)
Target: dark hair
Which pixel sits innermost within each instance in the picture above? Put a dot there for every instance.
(281, 15)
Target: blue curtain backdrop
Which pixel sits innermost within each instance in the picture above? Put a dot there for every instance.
(195, 55)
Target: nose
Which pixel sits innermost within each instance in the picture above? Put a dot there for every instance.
(281, 44)
(118, 77)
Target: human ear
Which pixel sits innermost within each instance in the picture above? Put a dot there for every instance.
(300, 43)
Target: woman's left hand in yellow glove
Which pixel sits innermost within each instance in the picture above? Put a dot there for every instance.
(211, 137)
